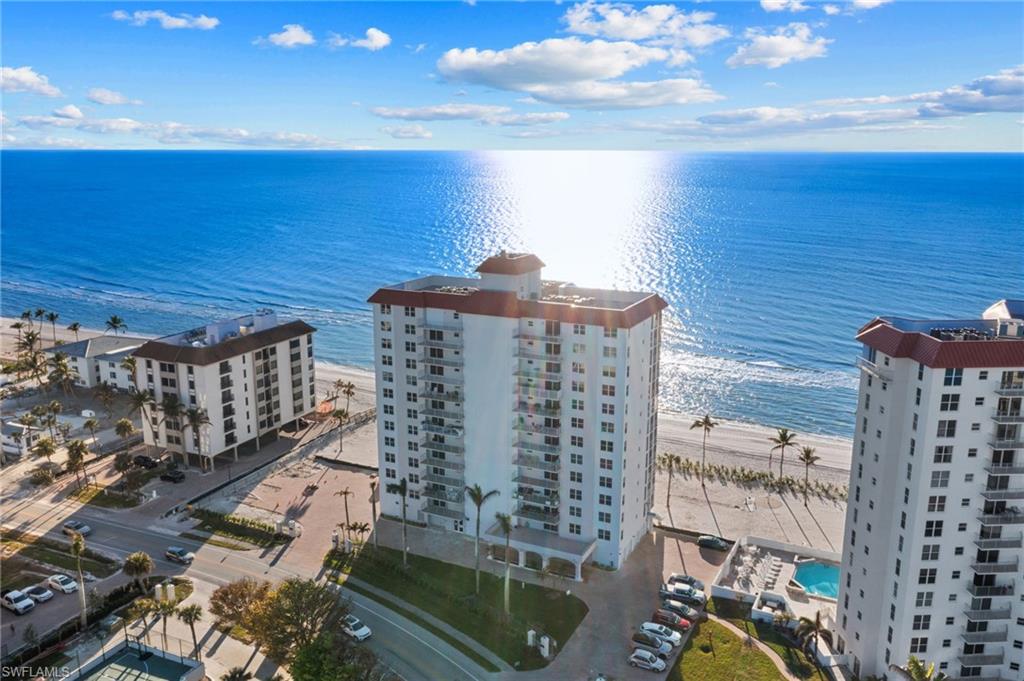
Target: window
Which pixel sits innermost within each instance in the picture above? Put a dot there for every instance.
(936, 504)
(933, 528)
(611, 332)
(953, 377)
(946, 429)
(576, 422)
(944, 454)
(576, 440)
(576, 458)
(389, 473)
(389, 457)
(605, 481)
(576, 494)
(926, 576)
(608, 390)
(579, 329)
(575, 476)
(979, 401)
(923, 599)
(604, 499)
(918, 645)
(385, 309)
(940, 479)
(604, 535)
(930, 552)
(574, 528)
(606, 464)
(922, 622)
(949, 402)
(610, 352)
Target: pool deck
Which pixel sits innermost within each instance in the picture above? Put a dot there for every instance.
(130, 667)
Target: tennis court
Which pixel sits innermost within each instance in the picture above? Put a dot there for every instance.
(128, 666)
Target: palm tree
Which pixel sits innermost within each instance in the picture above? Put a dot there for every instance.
(479, 498)
(141, 402)
(345, 494)
(52, 317)
(192, 615)
(374, 483)
(808, 458)
(706, 424)
(28, 341)
(341, 416)
(346, 388)
(401, 488)
(167, 609)
(782, 439)
(75, 327)
(359, 529)
(669, 463)
(104, 393)
(115, 324)
(131, 365)
(92, 425)
(54, 408)
(808, 631)
(236, 674)
(62, 373)
(77, 550)
(26, 317)
(137, 566)
(18, 326)
(124, 428)
(919, 670)
(35, 364)
(76, 459)
(39, 314)
(123, 460)
(46, 447)
(196, 419)
(505, 525)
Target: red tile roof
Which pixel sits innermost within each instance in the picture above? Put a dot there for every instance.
(226, 349)
(937, 354)
(510, 263)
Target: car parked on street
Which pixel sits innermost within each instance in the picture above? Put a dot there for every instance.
(710, 541)
(671, 620)
(655, 644)
(73, 527)
(63, 584)
(680, 578)
(664, 633)
(39, 594)
(680, 608)
(176, 554)
(143, 461)
(355, 629)
(16, 601)
(644, 659)
(173, 475)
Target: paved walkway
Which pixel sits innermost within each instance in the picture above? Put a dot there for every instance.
(761, 645)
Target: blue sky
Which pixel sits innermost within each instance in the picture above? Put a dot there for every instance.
(776, 74)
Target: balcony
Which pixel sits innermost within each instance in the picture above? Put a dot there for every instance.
(533, 410)
(537, 375)
(525, 427)
(454, 496)
(867, 365)
(528, 461)
(1002, 494)
(446, 480)
(533, 513)
(995, 568)
(540, 483)
(1010, 390)
(996, 591)
(991, 636)
(524, 336)
(534, 352)
(1008, 416)
(442, 446)
(1008, 518)
(450, 431)
(447, 464)
(446, 395)
(447, 379)
(444, 511)
(1008, 542)
(981, 659)
(447, 328)
(443, 413)
(988, 614)
(1004, 469)
(533, 392)
(450, 344)
(537, 447)
(441, 362)
(1007, 443)
(548, 500)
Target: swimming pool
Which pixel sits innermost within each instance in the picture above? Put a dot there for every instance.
(820, 579)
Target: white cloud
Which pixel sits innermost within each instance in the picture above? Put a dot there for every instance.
(416, 49)
(770, 83)
(293, 35)
(375, 39)
(786, 44)
(69, 111)
(783, 6)
(831, 10)
(667, 23)
(167, 21)
(46, 142)
(25, 79)
(440, 112)
(101, 95)
(334, 40)
(869, 4)
(407, 132)
(534, 133)
(614, 94)
(527, 119)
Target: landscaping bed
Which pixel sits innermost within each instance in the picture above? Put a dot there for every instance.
(238, 528)
(104, 497)
(446, 591)
(714, 653)
(42, 550)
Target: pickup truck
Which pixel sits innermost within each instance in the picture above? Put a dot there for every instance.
(16, 602)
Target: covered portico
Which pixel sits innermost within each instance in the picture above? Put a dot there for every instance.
(536, 550)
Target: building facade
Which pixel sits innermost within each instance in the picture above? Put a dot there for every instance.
(250, 376)
(98, 360)
(541, 390)
(932, 555)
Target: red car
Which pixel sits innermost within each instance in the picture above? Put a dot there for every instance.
(670, 619)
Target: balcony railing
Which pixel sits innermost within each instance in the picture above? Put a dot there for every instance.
(446, 480)
(995, 568)
(991, 636)
(981, 659)
(1007, 443)
(442, 446)
(541, 483)
(1014, 541)
(447, 379)
(524, 336)
(1002, 494)
(447, 464)
(549, 500)
(872, 368)
(445, 511)
(1007, 416)
(441, 362)
(454, 496)
(528, 461)
(996, 591)
(538, 447)
(988, 614)
(450, 431)
(1010, 390)
(456, 414)
(447, 328)
(526, 427)
(533, 513)
(447, 344)
(446, 395)
(1005, 468)
(531, 392)
(1001, 518)
(533, 410)
(534, 374)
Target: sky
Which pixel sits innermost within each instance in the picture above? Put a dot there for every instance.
(769, 75)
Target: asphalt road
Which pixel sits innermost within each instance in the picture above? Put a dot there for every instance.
(410, 651)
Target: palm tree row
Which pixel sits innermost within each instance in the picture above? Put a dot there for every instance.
(769, 480)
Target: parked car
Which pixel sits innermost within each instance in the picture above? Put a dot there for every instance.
(176, 554)
(73, 527)
(679, 577)
(710, 541)
(680, 608)
(671, 620)
(173, 475)
(687, 594)
(16, 601)
(354, 628)
(143, 461)
(39, 594)
(63, 584)
(644, 659)
(655, 644)
(663, 632)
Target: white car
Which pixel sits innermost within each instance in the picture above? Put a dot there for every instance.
(39, 594)
(663, 632)
(646, 660)
(685, 592)
(17, 602)
(354, 628)
(63, 584)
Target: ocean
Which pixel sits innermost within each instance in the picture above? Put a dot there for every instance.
(770, 262)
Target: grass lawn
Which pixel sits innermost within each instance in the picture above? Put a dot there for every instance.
(739, 614)
(239, 529)
(713, 653)
(96, 495)
(58, 555)
(229, 544)
(18, 573)
(446, 591)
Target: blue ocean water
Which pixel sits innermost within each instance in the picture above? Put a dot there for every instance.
(770, 262)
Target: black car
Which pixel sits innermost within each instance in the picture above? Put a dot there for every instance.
(173, 476)
(143, 461)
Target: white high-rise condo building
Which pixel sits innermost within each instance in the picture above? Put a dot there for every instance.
(541, 390)
(249, 376)
(933, 543)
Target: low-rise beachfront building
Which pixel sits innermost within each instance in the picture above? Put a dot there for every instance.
(934, 540)
(98, 360)
(542, 390)
(17, 439)
(250, 375)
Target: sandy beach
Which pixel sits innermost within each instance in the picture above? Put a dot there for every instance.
(731, 442)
